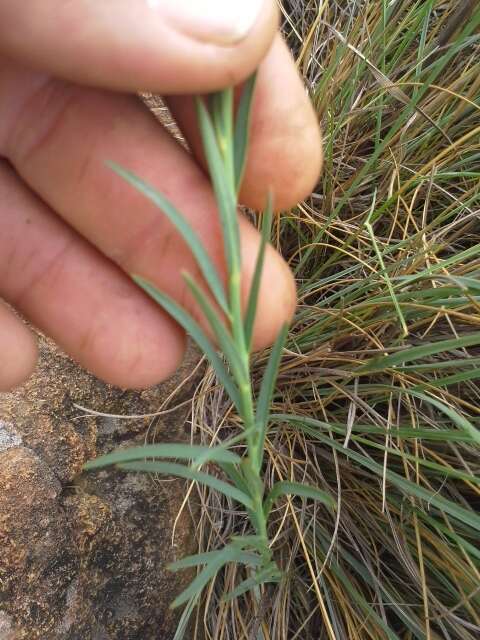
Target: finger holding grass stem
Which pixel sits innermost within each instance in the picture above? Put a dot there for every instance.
(225, 145)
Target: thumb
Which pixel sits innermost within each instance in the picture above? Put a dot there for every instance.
(167, 46)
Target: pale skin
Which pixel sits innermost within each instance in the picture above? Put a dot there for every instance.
(71, 230)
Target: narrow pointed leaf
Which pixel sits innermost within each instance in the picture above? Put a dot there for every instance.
(257, 274)
(422, 351)
(167, 450)
(228, 554)
(181, 471)
(285, 488)
(192, 328)
(466, 283)
(267, 388)
(270, 377)
(242, 128)
(267, 575)
(194, 560)
(234, 474)
(243, 587)
(226, 197)
(206, 266)
(455, 378)
(248, 559)
(432, 498)
(222, 116)
(252, 478)
(455, 416)
(250, 541)
(183, 623)
(220, 105)
(221, 334)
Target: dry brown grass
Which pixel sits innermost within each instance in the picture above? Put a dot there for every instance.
(387, 258)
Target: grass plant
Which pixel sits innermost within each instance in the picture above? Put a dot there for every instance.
(381, 365)
(376, 402)
(225, 142)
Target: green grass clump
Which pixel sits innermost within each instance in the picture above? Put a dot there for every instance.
(376, 402)
(381, 365)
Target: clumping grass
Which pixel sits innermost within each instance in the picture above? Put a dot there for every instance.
(381, 366)
(224, 130)
(376, 403)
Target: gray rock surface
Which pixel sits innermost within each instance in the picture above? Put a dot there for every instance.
(83, 555)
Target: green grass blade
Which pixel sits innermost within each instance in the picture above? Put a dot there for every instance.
(192, 328)
(235, 476)
(248, 542)
(228, 554)
(219, 330)
(194, 560)
(383, 269)
(472, 549)
(445, 472)
(461, 376)
(461, 422)
(469, 517)
(416, 353)
(226, 197)
(356, 596)
(436, 365)
(221, 104)
(285, 488)
(266, 390)
(183, 623)
(249, 559)
(472, 285)
(181, 471)
(403, 433)
(242, 128)
(167, 450)
(204, 262)
(243, 587)
(257, 274)
(270, 574)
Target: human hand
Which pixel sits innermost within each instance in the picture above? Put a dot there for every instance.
(71, 230)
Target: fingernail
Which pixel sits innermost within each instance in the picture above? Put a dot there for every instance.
(216, 21)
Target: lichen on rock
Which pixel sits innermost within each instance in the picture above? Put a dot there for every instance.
(8, 436)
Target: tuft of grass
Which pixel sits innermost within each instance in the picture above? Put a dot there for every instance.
(377, 398)
(373, 402)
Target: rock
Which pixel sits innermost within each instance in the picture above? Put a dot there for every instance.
(84, 555)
